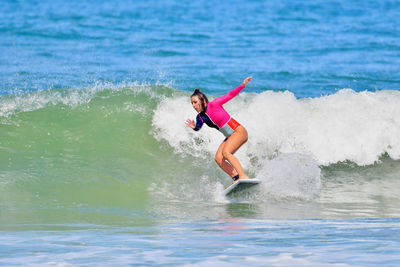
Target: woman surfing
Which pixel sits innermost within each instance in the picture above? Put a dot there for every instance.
(214, 115)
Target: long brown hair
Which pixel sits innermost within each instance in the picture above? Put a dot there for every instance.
(202, 97)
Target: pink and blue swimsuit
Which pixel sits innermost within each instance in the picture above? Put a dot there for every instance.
(215, 115)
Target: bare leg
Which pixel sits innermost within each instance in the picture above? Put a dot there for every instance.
(234, 142)
(221, 161)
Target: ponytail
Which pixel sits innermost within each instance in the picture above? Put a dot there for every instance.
(202, 97)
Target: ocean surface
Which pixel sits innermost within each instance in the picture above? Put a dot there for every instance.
(97, 167)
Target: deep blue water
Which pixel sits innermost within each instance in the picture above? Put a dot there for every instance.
(310, 48)
(97, 168)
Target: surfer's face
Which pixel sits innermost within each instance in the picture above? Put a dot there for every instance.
(196, 104)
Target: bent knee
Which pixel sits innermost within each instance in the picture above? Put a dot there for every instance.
(219, 158)
(226, 153)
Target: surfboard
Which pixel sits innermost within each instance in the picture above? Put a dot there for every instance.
(240, 186)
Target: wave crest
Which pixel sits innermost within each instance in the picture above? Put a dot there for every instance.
(346, 126)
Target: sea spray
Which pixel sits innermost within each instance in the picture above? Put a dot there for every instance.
(290, 176)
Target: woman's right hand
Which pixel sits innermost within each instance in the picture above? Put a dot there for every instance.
(246, 81)
(190, 123)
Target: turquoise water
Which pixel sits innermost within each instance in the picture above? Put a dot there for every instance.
(98, 168)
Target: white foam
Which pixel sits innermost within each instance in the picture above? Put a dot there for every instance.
(349, 125)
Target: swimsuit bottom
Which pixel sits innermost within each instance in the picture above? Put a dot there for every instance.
(229, 127)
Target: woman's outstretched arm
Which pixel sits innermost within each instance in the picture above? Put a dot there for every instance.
(225, 98)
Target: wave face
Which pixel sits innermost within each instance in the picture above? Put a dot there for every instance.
(126, 146)
(79, 148)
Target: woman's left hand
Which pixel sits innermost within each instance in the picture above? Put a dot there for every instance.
(246, 81)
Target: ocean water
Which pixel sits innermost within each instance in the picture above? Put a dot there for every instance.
(98, 168)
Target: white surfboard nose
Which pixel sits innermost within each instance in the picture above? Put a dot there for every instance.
(240, 185)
